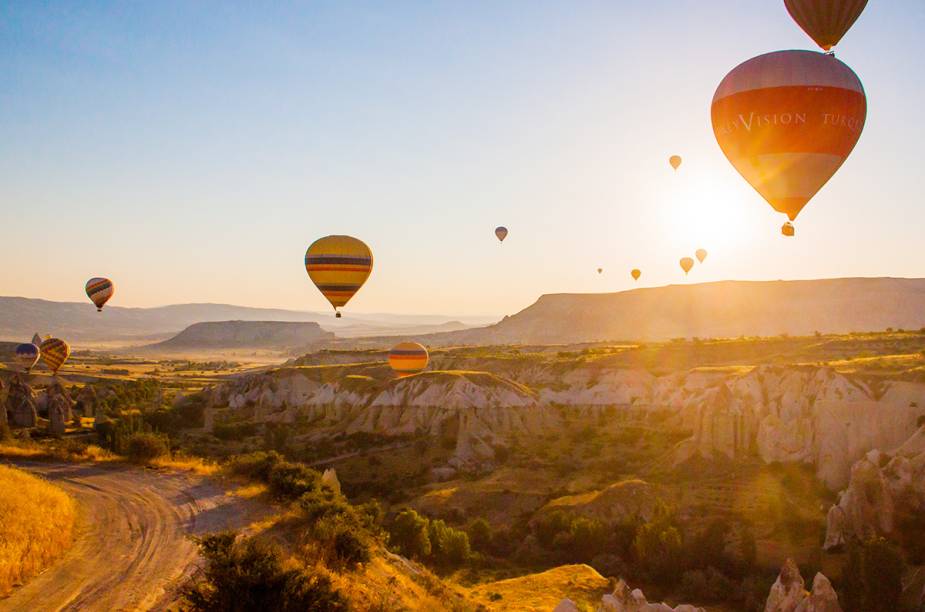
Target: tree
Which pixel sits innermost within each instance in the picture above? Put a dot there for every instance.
(480, 534)
(408, 534)
(873, 576)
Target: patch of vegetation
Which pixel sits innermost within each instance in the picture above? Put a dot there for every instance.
(36, 528)
(243, 575)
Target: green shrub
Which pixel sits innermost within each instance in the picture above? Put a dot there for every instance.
(248, 575)
(480, 534)
(145, 447)
(408, 534)
(255, 465)
(234, 431)
(292, 480)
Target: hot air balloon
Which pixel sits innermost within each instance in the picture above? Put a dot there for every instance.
(99, 290)
(408, 357)
(826, 21)
(338, 265)
(787, 121)
(675, 161)
(686, 264)
(701, 255)
(27, 355)
(635, 273)
(600, 270)
(36, 339)
(501, 233)
(54, 353)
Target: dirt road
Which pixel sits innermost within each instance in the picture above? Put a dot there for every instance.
(132, 548)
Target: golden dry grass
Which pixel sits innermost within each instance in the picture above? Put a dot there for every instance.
(542, 591)
(36, 528)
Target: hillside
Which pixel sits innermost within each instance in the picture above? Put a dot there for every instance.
(720, 309)
(277, 335)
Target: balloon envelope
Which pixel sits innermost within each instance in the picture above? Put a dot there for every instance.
(686, 264)
(36, 339)
(99, 290)
(826, 21)
(787, 121)
(675, 161)
(501, 233)
(338, 265)
(54, 353)
(408, 357)
(635, 274)
(599, 270)
(701, 255)
(28, 355)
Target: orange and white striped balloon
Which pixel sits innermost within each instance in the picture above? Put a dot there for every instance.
(54, 352)
(408, 358)
(787, 121)
(99, 290)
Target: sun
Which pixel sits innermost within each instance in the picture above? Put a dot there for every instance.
(712, 216)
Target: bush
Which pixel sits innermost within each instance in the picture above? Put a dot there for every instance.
(408, 534)
(255, 465)
(292, 480)
(248, 575)
(145, 447)
(234, 431)
(480, 534)
(873, 576)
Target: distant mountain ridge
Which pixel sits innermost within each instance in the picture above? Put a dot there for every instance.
(718, 309)
(21, 317)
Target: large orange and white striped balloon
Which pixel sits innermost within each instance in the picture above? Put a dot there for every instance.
(787, 121)
(408, 358)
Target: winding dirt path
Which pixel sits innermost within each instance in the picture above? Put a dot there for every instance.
(132, 548)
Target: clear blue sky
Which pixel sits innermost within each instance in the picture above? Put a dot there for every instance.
(192, 150)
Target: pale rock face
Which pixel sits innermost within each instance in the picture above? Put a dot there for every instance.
(789, 595)
(20, 404)
(330, 480)
(625, 600)
(566, 605)
(786, 414)
(879, 483)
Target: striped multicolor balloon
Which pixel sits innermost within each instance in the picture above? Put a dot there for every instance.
(787, 121)
(28, 355)
(338, 265)
(54, 353)
(826, 21)
(408, 358)
(99, 290)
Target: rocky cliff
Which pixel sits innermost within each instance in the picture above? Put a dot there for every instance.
(881, 485)
(811, 415)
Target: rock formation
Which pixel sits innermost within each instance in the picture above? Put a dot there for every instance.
(789, 595)
(810, 415)
(329, 479)
(566, 605)
(59, 409)
(880, 483)
(625, 600)
(20, 404)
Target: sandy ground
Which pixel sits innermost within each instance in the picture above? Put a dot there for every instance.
(133, 548)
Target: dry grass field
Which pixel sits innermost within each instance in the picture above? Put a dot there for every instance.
(37, 526)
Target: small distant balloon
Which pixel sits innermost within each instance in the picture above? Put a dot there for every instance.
(701, 255)
(599, 270)
(675, 161)
(36, 339)
(686, 264)
(408, 358)
(54, 353)
(636, 273)
(338, 266)
(99, 290)
(27, 355)
(501, 233)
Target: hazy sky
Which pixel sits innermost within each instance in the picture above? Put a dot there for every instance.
(192, 150)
